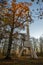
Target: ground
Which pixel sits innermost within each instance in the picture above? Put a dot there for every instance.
(21, 61)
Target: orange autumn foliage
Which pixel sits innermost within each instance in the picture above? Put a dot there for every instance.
(16, 6)
(19, 10)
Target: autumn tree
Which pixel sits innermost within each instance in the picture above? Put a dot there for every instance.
(15, 17)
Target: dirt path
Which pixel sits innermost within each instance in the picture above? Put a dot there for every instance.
(22, 62)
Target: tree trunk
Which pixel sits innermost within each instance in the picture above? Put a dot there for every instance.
(9, 45)
(21, 52)
(40, 48)
(10, 39)
(33, 53)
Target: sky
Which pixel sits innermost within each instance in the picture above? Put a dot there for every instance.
(36, 28)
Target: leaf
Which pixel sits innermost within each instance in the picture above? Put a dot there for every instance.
(5, 20)
(32, 0)
(7, 14)
(37, 9)
(42, 0)
(37, 2)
